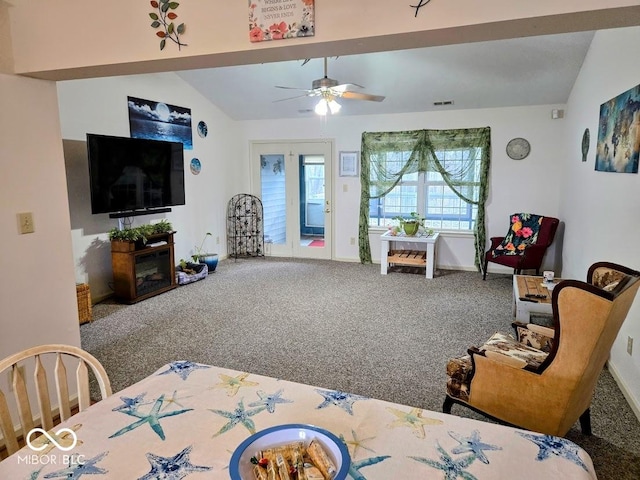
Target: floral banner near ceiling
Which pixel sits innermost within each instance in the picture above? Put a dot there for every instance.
(279, 19)
(619, 133)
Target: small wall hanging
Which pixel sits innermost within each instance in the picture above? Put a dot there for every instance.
(349, 164)
(518, 148)
(163, 18)
(195, 166)
(202, 129)
(269, 20)
(586, 137)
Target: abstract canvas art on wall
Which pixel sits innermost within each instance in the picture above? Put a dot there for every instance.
(619, 133)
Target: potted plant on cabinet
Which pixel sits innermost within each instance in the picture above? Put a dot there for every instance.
(200, 256)
(128, 239)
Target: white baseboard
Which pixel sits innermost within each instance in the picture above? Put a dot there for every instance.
(625, 390)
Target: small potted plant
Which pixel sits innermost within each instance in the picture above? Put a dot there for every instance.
(412, 224)
(200, 256)
(129, 237)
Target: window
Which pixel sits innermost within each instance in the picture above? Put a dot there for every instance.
(441, 174)
(428, 193)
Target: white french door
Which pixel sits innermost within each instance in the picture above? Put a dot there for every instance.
(293, 180)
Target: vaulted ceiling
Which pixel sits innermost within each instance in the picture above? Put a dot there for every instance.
(502, 73)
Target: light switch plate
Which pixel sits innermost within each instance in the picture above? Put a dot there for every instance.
(25, 223)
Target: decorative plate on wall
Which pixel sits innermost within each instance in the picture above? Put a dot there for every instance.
(518, 148)
(195, 166)
(202, 129)
(585, 144)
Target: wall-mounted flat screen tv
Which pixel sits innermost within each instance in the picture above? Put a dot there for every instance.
(134, 174)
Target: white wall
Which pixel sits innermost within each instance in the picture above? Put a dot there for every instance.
(529, 185)
(100, 106)
(600, 208)
(218, 31)
(37, 291)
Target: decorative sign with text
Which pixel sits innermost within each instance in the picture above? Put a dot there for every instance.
(278, 19)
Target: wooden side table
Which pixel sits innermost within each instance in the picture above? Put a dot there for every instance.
(415, 258)
(527, 284)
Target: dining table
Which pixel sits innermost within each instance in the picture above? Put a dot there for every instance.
(186, 419)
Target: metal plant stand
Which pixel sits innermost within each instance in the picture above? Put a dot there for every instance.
(245, 226)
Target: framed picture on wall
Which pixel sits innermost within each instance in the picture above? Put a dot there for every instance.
(349, 164)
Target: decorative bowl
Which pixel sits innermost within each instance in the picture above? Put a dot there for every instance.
(241, 468)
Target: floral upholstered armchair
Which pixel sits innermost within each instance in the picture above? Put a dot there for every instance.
(524, 245)
(543, 378)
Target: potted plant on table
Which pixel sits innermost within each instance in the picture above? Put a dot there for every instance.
(200, 256)
(409, 225)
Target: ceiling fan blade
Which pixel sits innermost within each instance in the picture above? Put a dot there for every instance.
(294, 88)
(362, 96)
(291, 98)
(345, 86)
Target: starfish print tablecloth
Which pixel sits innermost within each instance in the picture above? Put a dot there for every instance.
(186, 419)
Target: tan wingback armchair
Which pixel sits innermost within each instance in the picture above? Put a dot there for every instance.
(544, 379)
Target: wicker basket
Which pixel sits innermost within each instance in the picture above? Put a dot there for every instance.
(84, 302)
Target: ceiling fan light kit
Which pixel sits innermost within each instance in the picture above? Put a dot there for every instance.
(328, 90)
(326, 105)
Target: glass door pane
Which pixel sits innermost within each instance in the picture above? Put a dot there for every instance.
(312, 201)
(274, 198)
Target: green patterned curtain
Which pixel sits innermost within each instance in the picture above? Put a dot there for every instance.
(376, 181)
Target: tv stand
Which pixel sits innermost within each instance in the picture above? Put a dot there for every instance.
(141, 271)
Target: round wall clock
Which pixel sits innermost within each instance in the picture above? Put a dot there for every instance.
(518, 148)
(585, 144)
(202, 129)
(195, 166)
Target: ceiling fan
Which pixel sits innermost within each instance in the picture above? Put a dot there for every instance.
(328, 90)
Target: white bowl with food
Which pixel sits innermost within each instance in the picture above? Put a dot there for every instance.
(329, 453)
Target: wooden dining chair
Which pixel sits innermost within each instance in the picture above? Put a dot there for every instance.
(50, 411)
